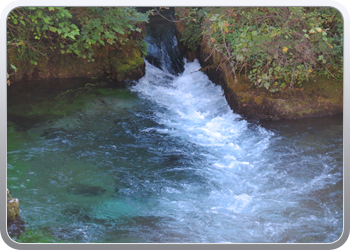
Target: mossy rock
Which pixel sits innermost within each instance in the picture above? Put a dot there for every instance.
(122, 62)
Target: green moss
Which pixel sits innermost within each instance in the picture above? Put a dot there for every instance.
(137, 61)
(323, 96)
(123, 68)
(37, 236)
(258, 99)
(244, 98)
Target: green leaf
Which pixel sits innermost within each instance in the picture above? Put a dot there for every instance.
(53, 29)
(13, 67)
(266, 85)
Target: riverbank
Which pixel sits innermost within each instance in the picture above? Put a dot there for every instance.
(76, 42)
(317, 97)
(314, 99)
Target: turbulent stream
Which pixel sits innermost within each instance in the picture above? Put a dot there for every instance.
(167, 160)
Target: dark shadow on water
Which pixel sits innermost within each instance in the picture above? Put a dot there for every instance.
(85, 190)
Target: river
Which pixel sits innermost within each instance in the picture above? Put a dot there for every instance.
(165, 160)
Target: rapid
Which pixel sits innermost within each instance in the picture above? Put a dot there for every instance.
(166, 160)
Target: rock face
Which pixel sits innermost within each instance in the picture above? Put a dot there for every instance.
(316, 98)
(12, 207)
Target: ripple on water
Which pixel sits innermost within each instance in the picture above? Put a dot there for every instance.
(170, 162)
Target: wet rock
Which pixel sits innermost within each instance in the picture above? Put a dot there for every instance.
(16, 227)
(12, 207)
(85, 190)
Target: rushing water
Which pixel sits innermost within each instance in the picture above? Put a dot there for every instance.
(167, 160)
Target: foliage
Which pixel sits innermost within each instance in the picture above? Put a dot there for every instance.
(192, 35)
(277, 46)
(33, 31)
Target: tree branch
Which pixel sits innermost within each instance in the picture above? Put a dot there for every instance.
(173, 21)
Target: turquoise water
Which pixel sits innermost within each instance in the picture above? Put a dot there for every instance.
(166, 160)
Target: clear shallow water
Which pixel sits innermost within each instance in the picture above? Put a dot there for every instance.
(172, 163)
(166, 160)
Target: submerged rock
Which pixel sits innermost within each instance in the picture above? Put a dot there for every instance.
(86, 190)
(16, 227)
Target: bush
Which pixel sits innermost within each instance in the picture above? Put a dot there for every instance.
(279, 46)
(34, 30)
